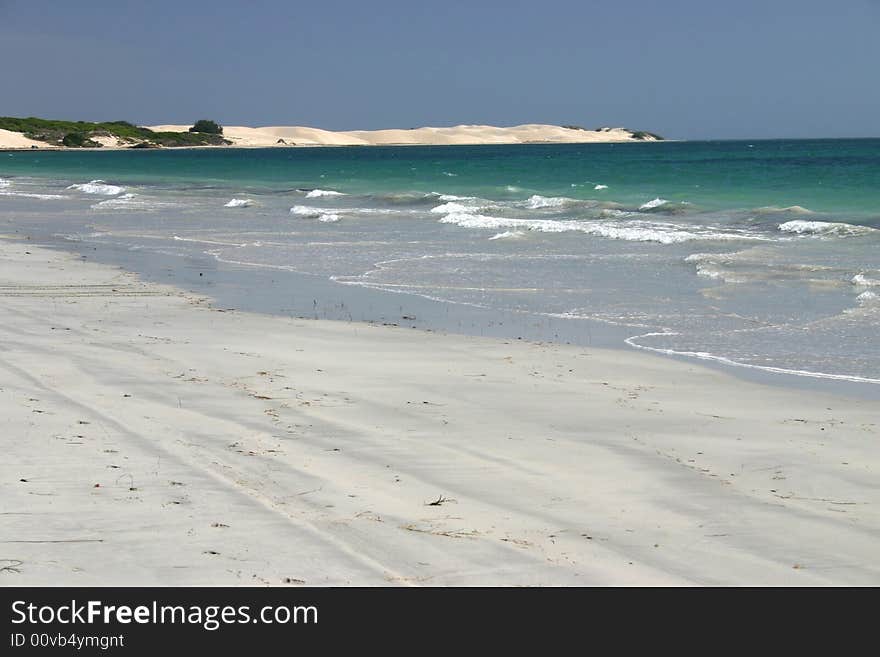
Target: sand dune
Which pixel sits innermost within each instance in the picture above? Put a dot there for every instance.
(462, 134)
(150, 439)
(243, 136)
(10, 139)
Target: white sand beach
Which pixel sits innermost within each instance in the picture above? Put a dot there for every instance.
(151, 438)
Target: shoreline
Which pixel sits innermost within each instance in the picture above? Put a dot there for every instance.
(157, 439)
(222, 279)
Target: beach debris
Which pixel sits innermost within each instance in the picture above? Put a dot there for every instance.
(451, 533)
(293, 580)
(219, 525)
(440, 501)
(12, 566)
(130, 476)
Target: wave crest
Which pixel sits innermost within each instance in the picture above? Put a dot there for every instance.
(317, 193)
(239, 203)
(98, 187)
(631, 231)
(824, 228)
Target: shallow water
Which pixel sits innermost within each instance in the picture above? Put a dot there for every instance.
(756, 255)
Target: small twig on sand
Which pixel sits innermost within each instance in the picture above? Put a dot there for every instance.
(12, 566)
(440, 501)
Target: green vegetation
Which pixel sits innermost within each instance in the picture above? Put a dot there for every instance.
(573, 127)
(643, 134)
(78, 134)
(79, 140)
(206, 126)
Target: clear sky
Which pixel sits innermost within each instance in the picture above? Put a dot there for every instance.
(683, 68)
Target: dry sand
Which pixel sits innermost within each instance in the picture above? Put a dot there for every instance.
(244, 137)
(149, 438)
(458, 135)
(10, 140)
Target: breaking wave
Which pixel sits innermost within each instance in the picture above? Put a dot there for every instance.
(865, 281)
(656, 203)
(824, 228)
(633, 231)
(239, 203)
(537, 202)
(509, 235)
(317, 193)
(98, 187)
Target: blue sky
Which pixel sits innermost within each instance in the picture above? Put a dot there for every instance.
(683, 68)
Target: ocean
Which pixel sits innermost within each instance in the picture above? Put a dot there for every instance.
(761, 255)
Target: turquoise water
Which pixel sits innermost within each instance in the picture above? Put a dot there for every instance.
(824, 175)
(756, 254)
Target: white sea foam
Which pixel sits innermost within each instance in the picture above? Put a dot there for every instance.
(453, 206)
(450, 174)
(44, 197)
(317, 193)
(632, 231)
(704, 355)
(824, 228)
(453, 197)
(132, 202)
(4, 183)
(238, 203)
(615, 213)
(600, 187)
(98, 187)
(321, 214)
(537, 201)
(178, 238)
(656, 203)
(306, 211)
(509, 235)
(711, 265)
(865, 281)
(868, 297)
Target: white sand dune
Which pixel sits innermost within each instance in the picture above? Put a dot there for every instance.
(463, 134)
(246, 137)
(10, 139)
(150, 439)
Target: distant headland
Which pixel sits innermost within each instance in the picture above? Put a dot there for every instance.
(35, 133)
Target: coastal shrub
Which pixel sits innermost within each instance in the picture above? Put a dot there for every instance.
(573, 127)
(54, 131)
(78, 140)
(644, 134)
(206, 126)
